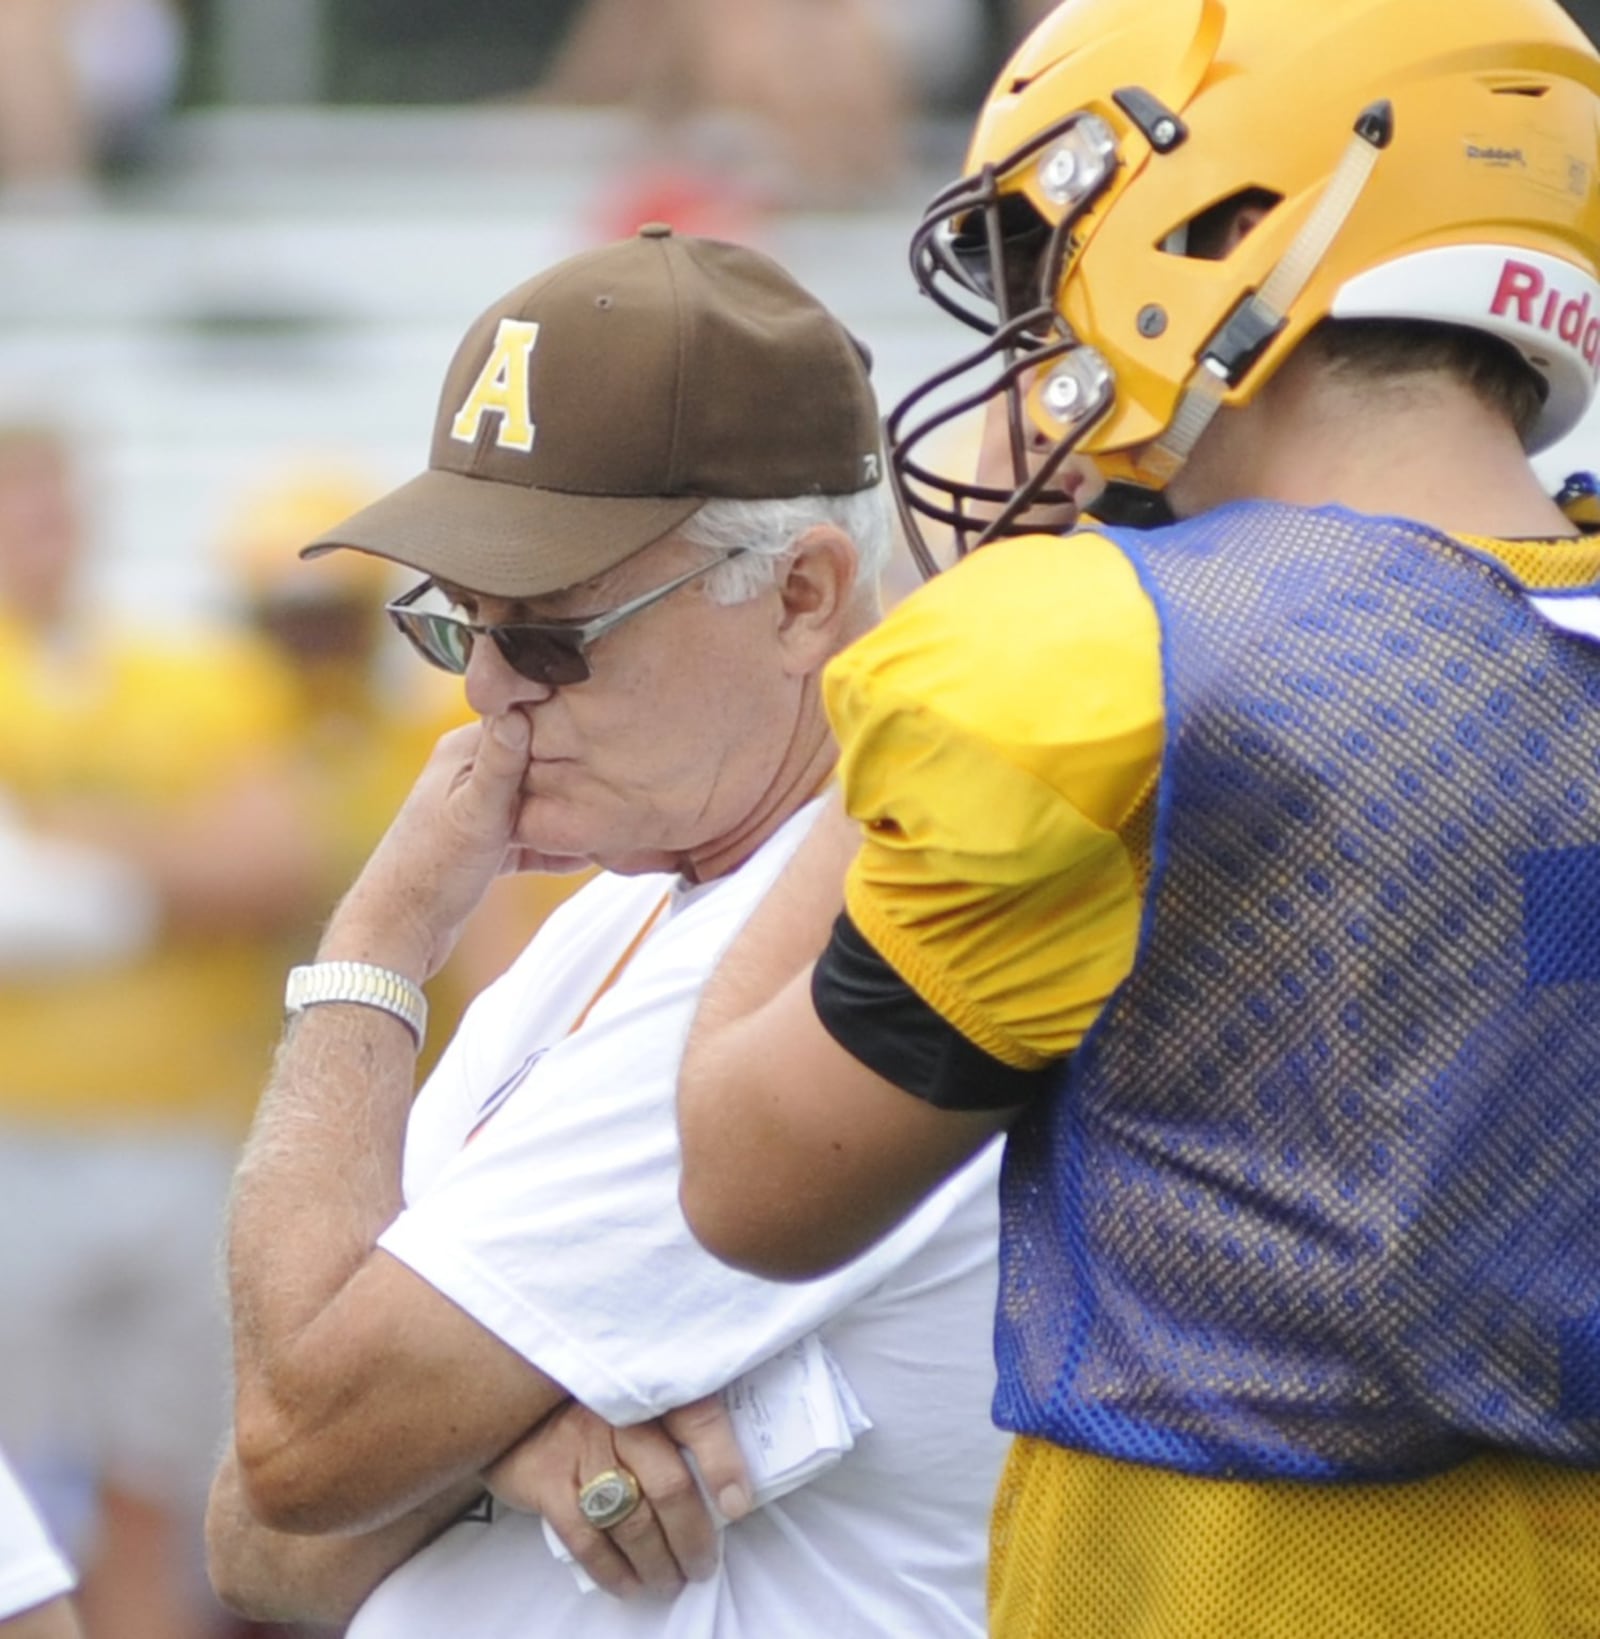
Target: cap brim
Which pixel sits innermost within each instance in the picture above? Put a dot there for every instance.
(502, 539)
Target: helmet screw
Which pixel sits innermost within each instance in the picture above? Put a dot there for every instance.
(1060, 168)
(1163, 133)
(1061, 393)
(1152, 320)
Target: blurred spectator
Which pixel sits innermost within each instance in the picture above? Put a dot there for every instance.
(44, 140)
(129, 57)
(129, 1071)
(777, 103)
(81, 84)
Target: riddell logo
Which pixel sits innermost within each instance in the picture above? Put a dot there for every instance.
(1496, 156)
(1525, 295)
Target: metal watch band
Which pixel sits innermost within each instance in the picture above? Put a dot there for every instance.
(363, 983)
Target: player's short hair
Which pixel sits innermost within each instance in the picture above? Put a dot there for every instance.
(1384, 349)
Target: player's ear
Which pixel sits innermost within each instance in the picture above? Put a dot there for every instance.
(817, 591)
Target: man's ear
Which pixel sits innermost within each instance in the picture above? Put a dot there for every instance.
(817, 594)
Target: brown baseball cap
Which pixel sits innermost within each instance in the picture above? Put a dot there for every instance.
(599, 405)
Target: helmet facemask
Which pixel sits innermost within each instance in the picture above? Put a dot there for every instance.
(986, 255)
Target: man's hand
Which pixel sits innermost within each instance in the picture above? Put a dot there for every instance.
(670, 1537)
(450, 840)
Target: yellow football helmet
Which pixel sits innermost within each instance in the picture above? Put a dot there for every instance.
(261, 541)
(1410, 159)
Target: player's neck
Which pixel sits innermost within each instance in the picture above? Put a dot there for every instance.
(1422, 448)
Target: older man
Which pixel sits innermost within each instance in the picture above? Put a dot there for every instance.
(653, 512)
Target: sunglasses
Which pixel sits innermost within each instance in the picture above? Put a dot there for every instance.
(553, 652)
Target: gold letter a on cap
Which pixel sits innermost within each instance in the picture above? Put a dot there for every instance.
(502, 389)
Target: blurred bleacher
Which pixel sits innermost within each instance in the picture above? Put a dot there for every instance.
(283, 281)
(288, 273)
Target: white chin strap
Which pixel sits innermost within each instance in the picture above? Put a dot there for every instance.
(1262, 313)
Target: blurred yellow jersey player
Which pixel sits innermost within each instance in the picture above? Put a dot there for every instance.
(1239, 853)
(133, 1051)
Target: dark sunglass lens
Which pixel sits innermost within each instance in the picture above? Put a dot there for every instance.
(543, 656)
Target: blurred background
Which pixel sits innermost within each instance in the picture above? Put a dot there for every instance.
(239, 240)
(234, 234)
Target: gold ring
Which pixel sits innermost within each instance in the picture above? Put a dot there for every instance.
(609, 1498)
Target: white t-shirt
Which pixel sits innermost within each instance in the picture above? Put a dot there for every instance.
(557, 1227)
(1580, 614)
(32, 1568)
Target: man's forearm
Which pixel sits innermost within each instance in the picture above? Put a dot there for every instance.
(320, 1176)
(273, 1576)
(362, 1391)
(318, 1183)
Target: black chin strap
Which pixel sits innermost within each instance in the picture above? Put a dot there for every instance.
(1130, 506)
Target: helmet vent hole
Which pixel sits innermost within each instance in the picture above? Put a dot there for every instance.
(1521, 90)
(1212, 235)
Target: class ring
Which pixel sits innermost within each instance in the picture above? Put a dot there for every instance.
(609, 1498)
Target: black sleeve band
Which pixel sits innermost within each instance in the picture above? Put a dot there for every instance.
(878, 1018)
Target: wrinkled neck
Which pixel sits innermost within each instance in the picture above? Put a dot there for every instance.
(803, 773)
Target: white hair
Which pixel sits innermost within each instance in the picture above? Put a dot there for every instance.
(768, 530)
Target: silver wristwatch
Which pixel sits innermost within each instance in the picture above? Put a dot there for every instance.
(363, 983)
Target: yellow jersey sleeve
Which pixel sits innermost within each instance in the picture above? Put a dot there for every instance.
(998, 731)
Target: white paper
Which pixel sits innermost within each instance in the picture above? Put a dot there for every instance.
(794, 1417)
